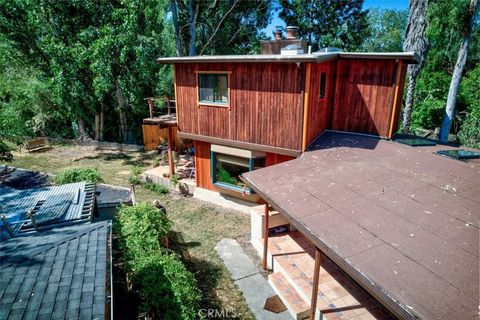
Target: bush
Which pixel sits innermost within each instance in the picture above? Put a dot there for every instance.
(137, 170)
(160, 189)
(142, 228)
(166, 287)
(134, 179)
(168, 290)
(5, 152)
(77, 175)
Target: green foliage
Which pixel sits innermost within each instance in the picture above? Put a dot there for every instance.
(386, 30)
(167, 287)
(155, 163)
(134, 179)
(328, 23)
(5, 152)
(469, 134)
(225, 176)
(168, 290)
(142, 228)
(160, 189)
(136, 170)
(77, 175)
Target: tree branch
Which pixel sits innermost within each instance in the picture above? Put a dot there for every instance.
(218, 26)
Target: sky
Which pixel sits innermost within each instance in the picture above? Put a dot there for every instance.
(383, 4)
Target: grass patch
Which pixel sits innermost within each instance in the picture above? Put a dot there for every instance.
(156, 188)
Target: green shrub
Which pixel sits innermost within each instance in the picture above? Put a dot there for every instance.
(142, 228)
(137, 170)
(158, 188)
(155, 163)
(77, 175)
(168, 290)
(5, 152)
(134, 179)
(174, 180)
(166, 287)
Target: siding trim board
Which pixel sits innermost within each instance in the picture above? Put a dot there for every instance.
(241, 145)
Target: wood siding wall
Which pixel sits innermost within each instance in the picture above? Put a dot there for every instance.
(318, 111)
(202, 165)
(364, 93)
(266, 104)
(153, 136)
(273, 158)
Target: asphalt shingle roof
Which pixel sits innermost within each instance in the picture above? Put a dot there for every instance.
(59, 274)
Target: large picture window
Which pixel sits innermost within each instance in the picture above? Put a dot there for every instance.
(227, 169)
(213, 88)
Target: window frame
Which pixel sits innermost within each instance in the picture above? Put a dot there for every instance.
(223, 185)
(213, 104)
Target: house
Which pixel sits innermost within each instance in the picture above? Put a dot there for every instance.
(251, 111)
(375, 229)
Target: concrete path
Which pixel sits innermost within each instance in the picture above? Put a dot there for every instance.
(247, 277)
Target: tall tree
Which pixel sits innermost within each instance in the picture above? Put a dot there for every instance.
(415, 40)
(458, 71)
(219, 27)
(386, 30)
(328, 23)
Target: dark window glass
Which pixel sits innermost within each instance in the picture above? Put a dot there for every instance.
(213, 88)
(323, 84)
(230, 168)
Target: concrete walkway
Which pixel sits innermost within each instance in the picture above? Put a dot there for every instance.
(247, 277)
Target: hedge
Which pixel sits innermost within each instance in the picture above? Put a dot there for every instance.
(168, 290)
(77, 175)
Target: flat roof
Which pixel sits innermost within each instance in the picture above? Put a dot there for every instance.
(410, 57)
(401, 220)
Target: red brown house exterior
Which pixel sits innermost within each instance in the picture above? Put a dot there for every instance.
(245, 112)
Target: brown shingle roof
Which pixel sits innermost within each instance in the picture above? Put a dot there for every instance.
(402, 221)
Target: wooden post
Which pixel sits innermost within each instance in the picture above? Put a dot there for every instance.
(32, 218)
(168, 105)
(150, 106)
(171, 165)
(265, 238)
(7, 226)
(132, 188)
(316, 274)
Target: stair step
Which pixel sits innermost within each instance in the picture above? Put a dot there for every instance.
(290, 297)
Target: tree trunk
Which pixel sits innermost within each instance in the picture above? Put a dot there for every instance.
(178, 38)
(121, 110)
(83, 134)
(97, 126)
(192, 26)
(457, 74)
(102, 108)
(415, 40)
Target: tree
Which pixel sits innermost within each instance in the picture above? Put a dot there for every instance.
(458, 71)
(386, 30)
(324, 23)
(415, 40)
(218, 27)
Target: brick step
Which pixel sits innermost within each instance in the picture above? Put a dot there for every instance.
(290, 297)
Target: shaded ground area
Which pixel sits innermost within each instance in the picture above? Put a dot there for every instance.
(198, 226)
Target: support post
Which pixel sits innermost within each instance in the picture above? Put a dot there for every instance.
(170, 151)
(265, 237)
(7, 226)
(32, 218)
(316, 275)
(150, 106)
(168, 105)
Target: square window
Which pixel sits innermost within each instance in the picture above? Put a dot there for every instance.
(213, 88)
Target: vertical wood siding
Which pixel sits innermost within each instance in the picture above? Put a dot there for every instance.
(153, 136)
(364, 96)
(266, 104)
(274, 158)
(319, 109)
(202, 165)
